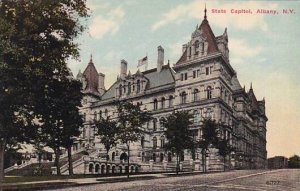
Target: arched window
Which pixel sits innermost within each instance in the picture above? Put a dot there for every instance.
(197, 44)
(154, 124)
(138, 86)
(162, 141)
(154, 142)
(171, 101)
(202, 47)
(95, 116)
(163, 100)
(183, 97)
(120, 90)
(196, 47)
(142, 141)
(155, 104)
(100, 115)
(129, 87)
(154, 157)
(208, 92)
(196, 94)
(113, 156)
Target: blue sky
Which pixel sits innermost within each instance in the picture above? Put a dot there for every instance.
(264, 49)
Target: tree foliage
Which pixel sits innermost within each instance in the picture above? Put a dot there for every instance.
(224, 149)
(107, 130)
(130, 121)
(178, 134)
(36, 39)
(294, 162)
(209, 138)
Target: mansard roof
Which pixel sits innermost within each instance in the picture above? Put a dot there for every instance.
(91, 76)
(155, 79)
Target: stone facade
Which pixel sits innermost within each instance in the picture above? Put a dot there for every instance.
(202, 82)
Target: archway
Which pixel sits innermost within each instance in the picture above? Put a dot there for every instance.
(154, 157)
(97, 167)
(107, 169)
(132, 169)
(123, 157)
(169, 157)
(161, 157)
(91, 168)
(102, 169)
(120, 169)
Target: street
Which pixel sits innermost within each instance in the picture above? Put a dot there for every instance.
(284, 179)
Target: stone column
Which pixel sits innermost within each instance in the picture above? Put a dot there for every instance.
(151, 165)
(165, 164)
(197, 165)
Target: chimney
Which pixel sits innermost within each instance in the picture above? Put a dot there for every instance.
(101, 87)
(160, 58)
(123, 72)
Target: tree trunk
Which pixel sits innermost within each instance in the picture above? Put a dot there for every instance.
(56, 162)
(2, 148)
(177, 163)
(224, 160)
(128, 150)
(106, 160)
(204, 160)
(70, 160)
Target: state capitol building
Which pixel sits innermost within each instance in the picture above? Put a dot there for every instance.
(202, 82)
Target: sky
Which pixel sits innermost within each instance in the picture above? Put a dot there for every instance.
(264, 49)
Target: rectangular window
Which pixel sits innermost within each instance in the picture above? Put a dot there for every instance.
(185, 76)
(211, 69)
(194, 74)
(181, 77)
(198, 73)
(207, 70)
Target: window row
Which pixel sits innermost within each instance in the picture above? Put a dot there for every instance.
(129, 88)
(163, 103)
(196, 95)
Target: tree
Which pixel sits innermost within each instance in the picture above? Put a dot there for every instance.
(209, 138)
(178, 134)
(71, 117)
(294, 162)
(130, 121)
(224, 149)
(107, 130)
(59, 116)
(36, 39)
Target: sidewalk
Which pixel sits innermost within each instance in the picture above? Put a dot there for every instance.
(84, 181)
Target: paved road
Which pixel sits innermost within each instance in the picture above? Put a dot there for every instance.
(258, 180)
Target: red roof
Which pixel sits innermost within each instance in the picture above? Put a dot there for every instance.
(91, 75)
(208, 34)
(210, 37)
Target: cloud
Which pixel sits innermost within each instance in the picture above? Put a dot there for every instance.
(193, 9)
(108, 24)
(240, 48)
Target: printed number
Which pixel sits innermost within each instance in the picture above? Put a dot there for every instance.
(272, 182)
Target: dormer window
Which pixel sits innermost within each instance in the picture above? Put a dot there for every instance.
(138, 86)
(120, 90)
(196, 47)
(129, 87)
